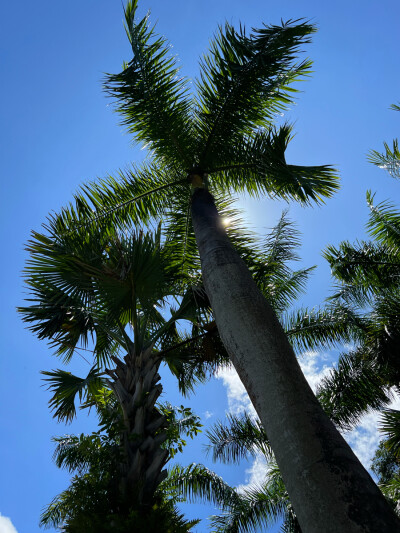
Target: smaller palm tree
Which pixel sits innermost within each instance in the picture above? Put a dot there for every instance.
(94, 502)
(91, 292)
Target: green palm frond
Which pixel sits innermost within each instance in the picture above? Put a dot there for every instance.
(352, 389)
(152, 96)
(194, 357)
(244, 81)
(388, 160)
(197, 483)
(239, 438)
(390, 426)
(258, 166)
(367, 265)
(322, 328)
(384, 223)
(65, 387)
(257, 507)
(281, 292)
(79, 453)
(137, 194)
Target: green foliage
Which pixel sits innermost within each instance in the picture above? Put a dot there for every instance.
(385, 464)
(240, 437)
(390, 159)
(255, 507)
(225, 130)
(95, 499)
(65, 387)
(181, 421)
(368, 275)
(354, 387)
(152, 96)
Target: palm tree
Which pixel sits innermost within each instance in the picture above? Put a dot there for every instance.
(367, 275)
(88, 290)
(223, 140)
(93, 501)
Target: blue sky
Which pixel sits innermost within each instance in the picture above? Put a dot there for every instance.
(58, 130)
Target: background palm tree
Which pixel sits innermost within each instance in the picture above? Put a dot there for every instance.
(223, 139)
(367, 275)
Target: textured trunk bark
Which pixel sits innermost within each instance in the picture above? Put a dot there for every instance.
(136, 384)
(330, 490)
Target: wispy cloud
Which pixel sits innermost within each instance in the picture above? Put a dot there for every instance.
(255, 475)
(6, 525)
(364, 439)
(238, 400)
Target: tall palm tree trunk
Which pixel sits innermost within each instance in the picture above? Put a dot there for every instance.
(330, 490)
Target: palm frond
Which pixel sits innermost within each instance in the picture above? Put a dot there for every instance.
(244, 81)
(390, 426)
(239, 438)
(388, 160)
(197, 483)
(352, 389)
(322, 328)
(258, 166)
(384, 223)
(65, 387)
(79, 453)
(136, 195)
(257, 507)
(151, 95)
(364, 265)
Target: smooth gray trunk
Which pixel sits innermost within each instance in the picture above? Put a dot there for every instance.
(330, 490)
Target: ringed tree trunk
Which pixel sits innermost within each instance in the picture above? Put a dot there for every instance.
(136, 385)
(330, 490)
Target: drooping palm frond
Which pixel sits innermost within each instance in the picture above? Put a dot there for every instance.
(365, 265)
(138, 194)
(79, 453)
(353, 388)
(258, 166)
(384, 223)
(390, 426)
(259, 507)
(66, 387)
(152, 96)
(322, 328)
(197, 483)
(237, 439)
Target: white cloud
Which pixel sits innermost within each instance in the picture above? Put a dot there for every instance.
(6, 525)
(364, 439)
(238, 400)
(255, 475)
(310, 363)
(208, 414)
